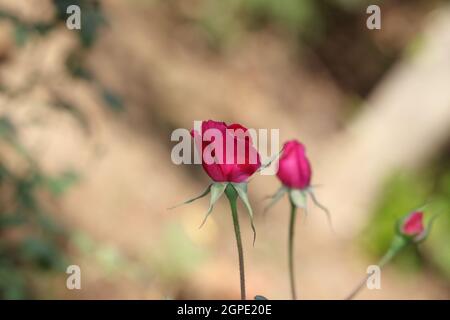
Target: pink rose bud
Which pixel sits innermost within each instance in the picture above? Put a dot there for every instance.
(412, 225)
(228, 165)
(294, 169)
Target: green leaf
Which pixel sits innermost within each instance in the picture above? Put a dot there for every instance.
(260, 297)
(59, 185)
(7, 128)
(42, 253)
(91, 21)
(21, 35)
(217, 190)
(11, 220)
(208, 189)
(298, 198)
(75, 66)
(49, 226)
(112, 100)
(8, 132)
(241, 189)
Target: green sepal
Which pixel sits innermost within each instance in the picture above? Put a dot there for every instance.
(275, 197)
(424, 235)
(241, 189)
(217, 189)
(266, 165)
(320, 206)
(208, 189)
(298, 198)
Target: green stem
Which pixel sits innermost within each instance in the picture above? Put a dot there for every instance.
(398, 243)
(232, 198)
(291, 250)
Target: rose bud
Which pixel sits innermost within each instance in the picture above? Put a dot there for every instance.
(294, 172)
(412, 225)
(411, 229)
(229, 158)
(294, 169)
(233, 157)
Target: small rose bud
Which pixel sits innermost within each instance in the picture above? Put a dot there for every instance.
(413, 224)
(294, 169)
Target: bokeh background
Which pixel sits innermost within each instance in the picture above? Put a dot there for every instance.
(86, 116)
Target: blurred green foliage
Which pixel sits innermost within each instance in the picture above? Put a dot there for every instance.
(294, 15)
(223, 19)
(438, 244)
(92, 20)
(403, 193)
(176, 256)
(23, 29)
(305, 19)
(31, 241)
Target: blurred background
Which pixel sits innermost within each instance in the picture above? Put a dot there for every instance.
(86, 116)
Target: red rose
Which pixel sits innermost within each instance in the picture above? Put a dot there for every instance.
(219, 160)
